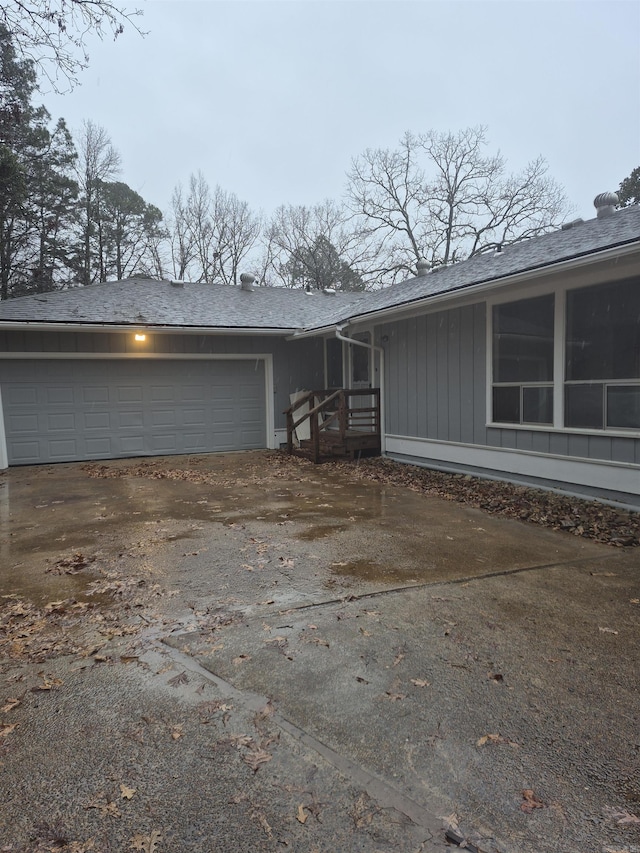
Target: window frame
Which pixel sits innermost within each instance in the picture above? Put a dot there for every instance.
(559, 361)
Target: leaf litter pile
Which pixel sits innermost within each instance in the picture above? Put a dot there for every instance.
(35, 633)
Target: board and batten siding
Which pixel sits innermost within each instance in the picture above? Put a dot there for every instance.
(297, 365)
(435, 375)
(436, 397)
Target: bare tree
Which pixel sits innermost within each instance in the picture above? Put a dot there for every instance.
(98, 163)
(315, 247)
(211, 232)
(53, 34)
(439, 196)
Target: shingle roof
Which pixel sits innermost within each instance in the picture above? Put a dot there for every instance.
(583, 238)
(136, 302)
(161, 303)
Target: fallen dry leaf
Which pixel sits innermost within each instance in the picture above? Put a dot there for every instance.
(256, 758)
(181, 678)
(531, 802)
(607, 630)
(176, 732)
(126, 793)
(48, 683)
(7, 728)
(240, 659)
(420, 682)
(361, 813)
(301, 815)
(621, 817)
(395, 697)
(264, 823)
(105, 808)
(146, 843)
(494, 739)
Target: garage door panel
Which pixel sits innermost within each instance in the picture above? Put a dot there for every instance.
(61, 421)
(97, 394)
(193, 417)
(162, 393)
(21, 395)
(59, 396)
(62, 449)
(132, 445)
(72, 409)
(97, 421)
(128, 394)
(26, 452)
(99, 448)
(23, 423)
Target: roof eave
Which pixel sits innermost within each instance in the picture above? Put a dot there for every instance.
(52, 326)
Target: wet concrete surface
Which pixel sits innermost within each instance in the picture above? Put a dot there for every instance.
(393, 633)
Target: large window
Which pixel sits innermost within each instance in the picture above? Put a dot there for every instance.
(523, 361)
(602, 370)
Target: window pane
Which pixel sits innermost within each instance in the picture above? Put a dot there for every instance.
(537, 405)
(623, 406)
(523, 341)
(506, 405)
(603, 332)
(583, 406)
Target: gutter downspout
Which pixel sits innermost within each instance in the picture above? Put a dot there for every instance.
(380, 351)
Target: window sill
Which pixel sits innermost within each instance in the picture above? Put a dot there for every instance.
(605, 433)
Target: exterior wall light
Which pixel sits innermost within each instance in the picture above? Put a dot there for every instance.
(140, 337)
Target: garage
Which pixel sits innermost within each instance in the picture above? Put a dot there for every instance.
(74, 409)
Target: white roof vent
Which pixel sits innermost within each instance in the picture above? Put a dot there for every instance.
(329, 291)
(605, 204)
(247, 281)
(177, 282)
(422, 267)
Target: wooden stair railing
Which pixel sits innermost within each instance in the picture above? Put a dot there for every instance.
(335, 425)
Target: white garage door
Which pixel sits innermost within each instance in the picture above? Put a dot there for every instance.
(67, 410)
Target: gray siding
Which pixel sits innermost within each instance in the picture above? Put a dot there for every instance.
(435, 375)
(296, 364)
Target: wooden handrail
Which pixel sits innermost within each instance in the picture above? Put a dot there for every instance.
(332, 405)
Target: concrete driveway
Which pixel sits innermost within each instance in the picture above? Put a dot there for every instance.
(270, 656)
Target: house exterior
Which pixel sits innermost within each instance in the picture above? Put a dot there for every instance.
(521, 364)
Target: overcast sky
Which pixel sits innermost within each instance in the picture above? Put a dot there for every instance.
(271, 99)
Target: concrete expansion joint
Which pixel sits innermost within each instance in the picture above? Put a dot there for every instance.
(427, 826)
(457, 581)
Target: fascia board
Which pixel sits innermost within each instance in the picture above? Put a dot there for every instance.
(23, 325)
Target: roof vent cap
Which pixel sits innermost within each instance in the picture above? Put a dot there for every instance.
(605, 204)
(566, 226)
(330, 291)
(422, 267)
(247, 281)
(177, 282)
